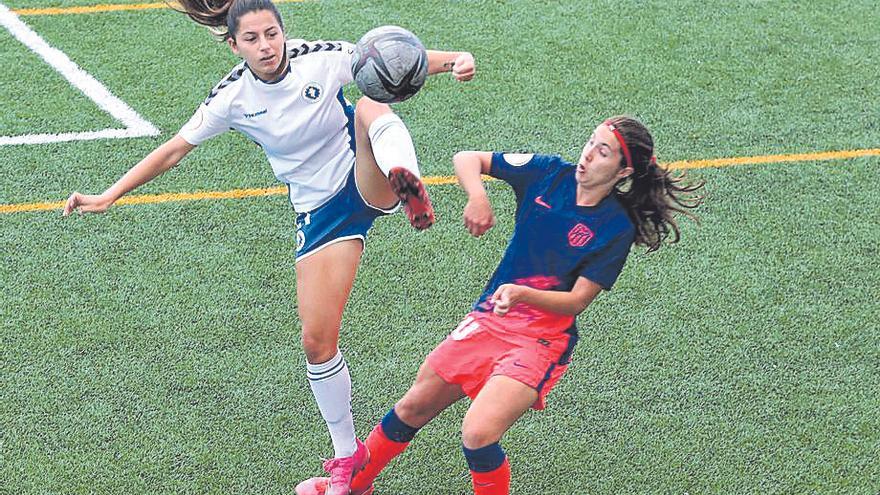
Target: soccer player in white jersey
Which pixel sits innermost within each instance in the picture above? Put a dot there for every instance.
(344, 168)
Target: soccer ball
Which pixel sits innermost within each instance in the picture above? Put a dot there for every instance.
(389, 64)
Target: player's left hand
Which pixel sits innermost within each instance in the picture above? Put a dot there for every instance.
(463, 67)
(505, 297)
(86, 203)
(478, 215)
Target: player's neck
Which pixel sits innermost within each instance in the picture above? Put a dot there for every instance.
(591, 196)
(277, 75)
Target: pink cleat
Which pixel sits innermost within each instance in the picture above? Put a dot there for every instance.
(312, 486)
(412, 193)
(343, 469)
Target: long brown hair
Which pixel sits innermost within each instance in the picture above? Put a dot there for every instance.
(222, 16)
(652, 195)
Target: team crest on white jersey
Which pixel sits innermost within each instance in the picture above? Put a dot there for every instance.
(518, 159)
(313, 92)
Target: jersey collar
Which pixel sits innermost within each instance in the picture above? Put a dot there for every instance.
(280, 78)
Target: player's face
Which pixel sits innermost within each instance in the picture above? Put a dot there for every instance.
(601, 161)
(260, 42)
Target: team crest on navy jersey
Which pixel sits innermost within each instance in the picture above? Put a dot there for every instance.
(579, 235)
(313, 92)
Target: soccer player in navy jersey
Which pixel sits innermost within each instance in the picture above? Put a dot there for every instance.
(574, 227)
(343, 166)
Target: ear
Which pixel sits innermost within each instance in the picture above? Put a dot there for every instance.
(625, 172)
(231, 42)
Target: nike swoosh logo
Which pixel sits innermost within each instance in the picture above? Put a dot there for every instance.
(541, 202)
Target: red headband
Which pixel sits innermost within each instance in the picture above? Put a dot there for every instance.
(623, 146)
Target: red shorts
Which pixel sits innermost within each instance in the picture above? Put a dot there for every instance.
(485, 345)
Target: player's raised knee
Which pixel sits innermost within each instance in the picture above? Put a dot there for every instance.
(317, 347)
(366, 110)
(412, 412)
(477, 436)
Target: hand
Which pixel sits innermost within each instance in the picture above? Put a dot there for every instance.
(478, 215)
(463, 67)
(86, 203)
(506, 297)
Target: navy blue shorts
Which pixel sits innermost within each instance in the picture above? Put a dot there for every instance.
(345, 216)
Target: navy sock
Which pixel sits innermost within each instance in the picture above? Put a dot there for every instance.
(484, 459)
(396, 430)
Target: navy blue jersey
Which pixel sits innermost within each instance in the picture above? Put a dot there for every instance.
(555, 241)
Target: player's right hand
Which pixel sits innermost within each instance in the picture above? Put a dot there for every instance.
(464, 68)
(86, 203)
(505, 297)
(478, 215)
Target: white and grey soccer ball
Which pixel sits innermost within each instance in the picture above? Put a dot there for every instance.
(389, 64)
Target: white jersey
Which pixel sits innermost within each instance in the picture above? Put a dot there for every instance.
(300, 121)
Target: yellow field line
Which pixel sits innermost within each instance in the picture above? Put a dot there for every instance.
(164, 198)
(760, 160)
(442, 180)
(93, 9)
(155, 198)
(90, 9)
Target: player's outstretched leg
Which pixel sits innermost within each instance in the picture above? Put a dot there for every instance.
(323, 282)
(427, 397)
(387, 168)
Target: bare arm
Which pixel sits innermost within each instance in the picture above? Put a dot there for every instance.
(156, 163)
(461, 64)
(469, 165)
(559, 302)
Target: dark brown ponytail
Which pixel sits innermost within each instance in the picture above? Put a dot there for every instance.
(222, 16)
(652, 194)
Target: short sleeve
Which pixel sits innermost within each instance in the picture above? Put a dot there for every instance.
(337, 56)
(521, 170)
(605, 266)
(203, 125)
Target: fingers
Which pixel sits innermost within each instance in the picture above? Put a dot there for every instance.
(71, 204)
(462, 76)
(478, 217)
(501, 307)
(496, 296)
(478, 229)
(84, 203)
(478, 226)
(464, 67)
(501, 300)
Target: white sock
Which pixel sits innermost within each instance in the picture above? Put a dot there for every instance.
(392, 144)
(331, 386)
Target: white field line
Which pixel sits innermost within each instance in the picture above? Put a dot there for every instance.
(135, 125)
